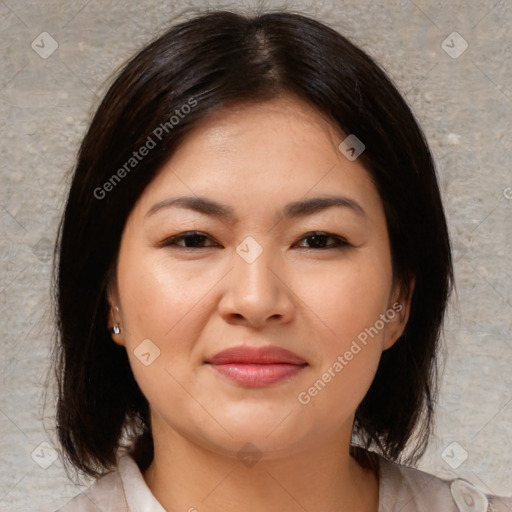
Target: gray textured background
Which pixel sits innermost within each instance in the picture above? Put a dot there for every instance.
(463, 103)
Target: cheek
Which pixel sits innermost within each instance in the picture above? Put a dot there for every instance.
(160, 303)
(157, 297)
(348, 305)
(350, 298)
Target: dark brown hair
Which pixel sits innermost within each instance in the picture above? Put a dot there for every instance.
(210, 62)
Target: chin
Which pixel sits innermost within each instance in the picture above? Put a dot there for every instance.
(269, 434)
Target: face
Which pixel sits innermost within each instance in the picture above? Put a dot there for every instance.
(195, 280)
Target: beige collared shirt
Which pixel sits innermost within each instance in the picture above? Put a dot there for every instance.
(401, 489)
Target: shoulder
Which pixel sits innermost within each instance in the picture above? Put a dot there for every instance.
(105, 494)
(122, 490)
(411, 490)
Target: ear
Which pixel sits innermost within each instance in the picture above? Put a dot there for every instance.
(399, 308)
(114, 315)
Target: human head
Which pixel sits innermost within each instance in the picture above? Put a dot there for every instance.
(206, 64)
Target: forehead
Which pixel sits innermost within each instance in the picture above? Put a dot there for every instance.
(267, 153)
(286, 117)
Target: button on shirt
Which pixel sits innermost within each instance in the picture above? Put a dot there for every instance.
(401, 488)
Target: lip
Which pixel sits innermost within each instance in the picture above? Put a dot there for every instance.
(269, 354)
(257, 366)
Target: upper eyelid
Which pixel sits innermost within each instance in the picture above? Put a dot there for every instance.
(340, 241)
(184, 235)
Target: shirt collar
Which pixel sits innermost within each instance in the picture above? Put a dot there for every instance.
(138, 494)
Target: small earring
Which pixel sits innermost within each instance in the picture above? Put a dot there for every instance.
(115, 330)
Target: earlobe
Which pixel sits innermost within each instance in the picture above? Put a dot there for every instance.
(400, 305)
(114, 318)
(114, 326)
(115, 329)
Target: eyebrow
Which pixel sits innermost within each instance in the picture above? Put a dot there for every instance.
(295, 209)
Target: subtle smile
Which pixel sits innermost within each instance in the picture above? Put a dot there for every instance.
(257, 366)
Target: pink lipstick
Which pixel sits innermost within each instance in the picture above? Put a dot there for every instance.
(256, 366)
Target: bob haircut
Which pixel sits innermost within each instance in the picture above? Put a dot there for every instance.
(197, 67)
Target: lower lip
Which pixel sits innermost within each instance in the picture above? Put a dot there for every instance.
(257, 375)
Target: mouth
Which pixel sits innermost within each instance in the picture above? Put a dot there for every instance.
(256, 366)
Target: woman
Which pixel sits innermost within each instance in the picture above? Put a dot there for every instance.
(253, 271)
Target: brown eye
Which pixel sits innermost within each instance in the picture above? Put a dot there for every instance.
(319, 239)
(191, 239)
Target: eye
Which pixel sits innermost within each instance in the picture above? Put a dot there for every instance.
(318, 240)
(192, 239)
(196, 239)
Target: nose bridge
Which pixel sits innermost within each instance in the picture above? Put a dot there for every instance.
(255, 291)
(253, 261)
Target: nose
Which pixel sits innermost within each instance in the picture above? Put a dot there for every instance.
(257, 292)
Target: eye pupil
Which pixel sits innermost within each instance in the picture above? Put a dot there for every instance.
(195, 238)
(317, 240)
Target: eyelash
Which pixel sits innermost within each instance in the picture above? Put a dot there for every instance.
(339, 243)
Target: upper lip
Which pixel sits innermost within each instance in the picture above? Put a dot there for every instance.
(245, 354)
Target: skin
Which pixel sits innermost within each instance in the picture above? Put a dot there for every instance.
(193, 302)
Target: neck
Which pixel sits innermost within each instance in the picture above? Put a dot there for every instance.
(189, 477)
